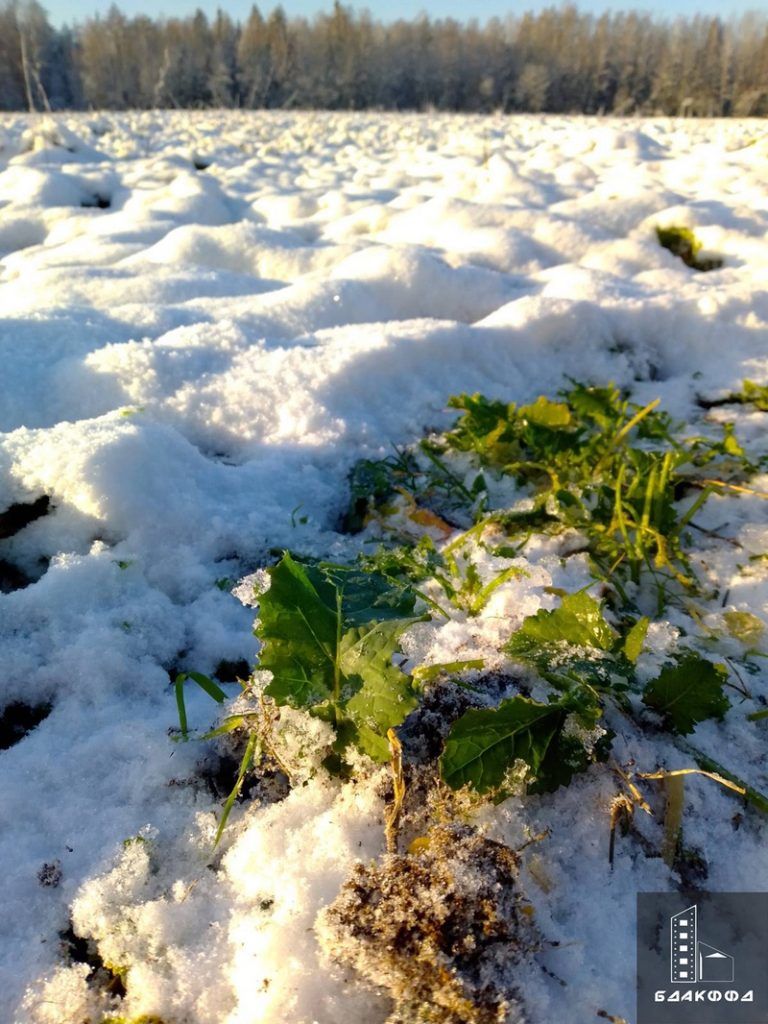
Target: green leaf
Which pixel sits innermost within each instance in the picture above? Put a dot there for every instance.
(745, 626)
(370, 483)
(411, 562)
(383, 694)
(603, 406)
(252, 749)
(565, 757)
(300, 627)
(486, 427)
(426, 673)
(484, 744)
(229, 725)
(573, 648)
(757, 394)
(328, 636)
(680, 241)
(545, 413)
(730, 443)
(368, 597)
(578, 622)
(635, 638)
(181, 705)
(688, 692)
(214, 692)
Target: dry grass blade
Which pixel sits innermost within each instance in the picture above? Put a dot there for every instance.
(637, 797)
(663, 774)
(398, 786)
(735, 487)
(674, 788)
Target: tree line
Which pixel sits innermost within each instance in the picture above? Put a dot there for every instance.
(559, 60)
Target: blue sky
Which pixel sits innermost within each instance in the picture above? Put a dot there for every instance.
(73, 10)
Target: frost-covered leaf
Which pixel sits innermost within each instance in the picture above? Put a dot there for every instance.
(578, 622)
(688, 692)
(484, 744)
(328, 637)
(567, 754)
(366, 597)
(573, 647)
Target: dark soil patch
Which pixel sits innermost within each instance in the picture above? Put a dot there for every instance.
(98, 202)
(17, 720)
(15, 518)
(439, 928)
(77, 950)
(219, 774)
(50, 874)
(424, 732)
(231, 671)
(12, 577)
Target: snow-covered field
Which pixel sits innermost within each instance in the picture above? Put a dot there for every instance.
(206, 319)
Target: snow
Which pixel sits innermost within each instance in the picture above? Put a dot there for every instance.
(192, 360)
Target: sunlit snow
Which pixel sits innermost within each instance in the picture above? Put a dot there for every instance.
(190, 363)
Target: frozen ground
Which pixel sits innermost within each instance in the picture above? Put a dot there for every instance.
(206, 319)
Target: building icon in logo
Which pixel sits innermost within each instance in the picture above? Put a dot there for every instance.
(692, 961)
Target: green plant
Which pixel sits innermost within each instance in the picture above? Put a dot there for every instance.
(328, 636)
(143, 1019)
(414, 480)
(620, 474)
(682, 242)
(587, 662)
(453, 569)
(688, 692)
(600, 464)
(486, 746)
(593, 461)
(752, 394)
(207, 685)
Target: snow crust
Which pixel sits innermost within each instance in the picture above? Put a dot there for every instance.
(191, 362)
